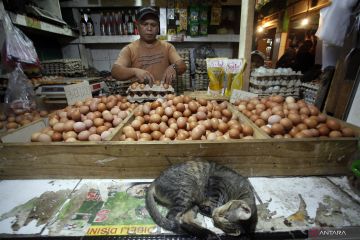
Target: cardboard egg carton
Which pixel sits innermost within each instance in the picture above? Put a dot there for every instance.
(143, 92)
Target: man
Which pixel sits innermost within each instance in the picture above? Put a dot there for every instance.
(148, 59)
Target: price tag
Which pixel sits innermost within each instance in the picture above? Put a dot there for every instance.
(77, 92)
(239, 94)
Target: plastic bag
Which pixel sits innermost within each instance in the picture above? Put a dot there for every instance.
(19, 95)
(216, 72)
(17, 48)
(234, 70)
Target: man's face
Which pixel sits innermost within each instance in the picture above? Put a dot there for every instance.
(148, 29)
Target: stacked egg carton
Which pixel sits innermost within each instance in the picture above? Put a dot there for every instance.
(280, 81)
(143, 92)
(183, 81)
(309, 91)
(63, 67)
(117, 87)
(201, 81)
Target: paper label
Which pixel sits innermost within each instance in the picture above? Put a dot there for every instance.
(77, 92)
(234, 65)
(239, 94)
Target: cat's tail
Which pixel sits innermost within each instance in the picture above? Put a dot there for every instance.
(159, 219)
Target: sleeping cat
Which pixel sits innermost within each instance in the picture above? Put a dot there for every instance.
(211, 189)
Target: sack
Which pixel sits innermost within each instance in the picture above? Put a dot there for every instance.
(17, 48)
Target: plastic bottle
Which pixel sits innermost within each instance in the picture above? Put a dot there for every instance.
(102, 24)
(83, 28)
(90, 25)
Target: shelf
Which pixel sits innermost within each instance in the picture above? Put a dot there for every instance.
(127, 39)
(34, 23)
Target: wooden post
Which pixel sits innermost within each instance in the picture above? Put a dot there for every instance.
(246, 35)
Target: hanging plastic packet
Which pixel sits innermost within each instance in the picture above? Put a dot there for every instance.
(216, 72)
(234, 69)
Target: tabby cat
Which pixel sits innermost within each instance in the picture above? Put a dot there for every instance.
(211, 189)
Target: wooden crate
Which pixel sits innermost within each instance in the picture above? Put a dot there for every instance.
(116, 159)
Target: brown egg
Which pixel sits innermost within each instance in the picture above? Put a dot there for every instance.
(155, 118)
(145, 128)
(136, 124)
(333, 124)
(287, 123)
(227, 113)
(203, 102)
(347, 132)
(234, 133)
(324, 131)
(247, 130)
(295, 118)
(155, 135)
(322, 118)
(84, 135)
(310, 122)
(101, 129)
(44, 138)
(170, 133)
(277, 129)
(335, 134)
(94, 137)
(223, 127)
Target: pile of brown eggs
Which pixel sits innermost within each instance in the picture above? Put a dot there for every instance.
(13, 120)
(182, 118)
(286, 118)
(90, 120)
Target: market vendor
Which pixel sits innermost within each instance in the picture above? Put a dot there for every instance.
(148, 59)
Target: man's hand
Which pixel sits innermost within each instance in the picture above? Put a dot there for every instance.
(169, 75)
(144, 76)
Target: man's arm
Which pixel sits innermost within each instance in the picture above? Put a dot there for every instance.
(176, 68)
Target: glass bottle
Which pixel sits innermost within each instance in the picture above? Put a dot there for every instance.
(83, 29)
(102, 24)
(136, 30)
(119, 24)
(125, 20)
(113, 24)
(90, 25)
(108, 24)
(130, 24)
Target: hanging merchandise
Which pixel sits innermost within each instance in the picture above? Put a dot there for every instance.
(216, 14)
(182, 20)
(194, 20)
(83, 27)
(216, 72)
(203, 28)
(89, 25)
(234, 70)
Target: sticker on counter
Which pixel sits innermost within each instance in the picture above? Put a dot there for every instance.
(77, 92)
(239, 94)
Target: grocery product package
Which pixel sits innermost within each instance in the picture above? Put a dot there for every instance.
(234, 70)
(216, 72)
